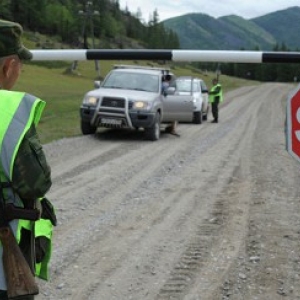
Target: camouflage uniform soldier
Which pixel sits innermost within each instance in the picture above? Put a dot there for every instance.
(25, 176)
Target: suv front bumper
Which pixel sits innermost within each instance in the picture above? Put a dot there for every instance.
(87, 113)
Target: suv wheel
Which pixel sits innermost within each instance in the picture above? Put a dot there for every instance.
(87, 128)
(197, 117)
(153, 133)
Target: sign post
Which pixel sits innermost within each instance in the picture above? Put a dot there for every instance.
(293, 124)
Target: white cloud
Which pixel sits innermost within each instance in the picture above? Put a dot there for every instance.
(172, 8)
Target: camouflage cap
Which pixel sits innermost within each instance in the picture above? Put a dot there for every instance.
(10, 40)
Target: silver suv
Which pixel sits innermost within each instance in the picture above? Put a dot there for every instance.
(196, 89)
(131, 97)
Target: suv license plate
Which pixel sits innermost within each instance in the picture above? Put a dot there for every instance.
(111, 121)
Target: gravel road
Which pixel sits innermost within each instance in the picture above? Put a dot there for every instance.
(211, 215)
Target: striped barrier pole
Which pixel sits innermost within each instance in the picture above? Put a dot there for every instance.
(170, 55)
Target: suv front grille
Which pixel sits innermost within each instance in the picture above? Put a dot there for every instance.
(113, 102)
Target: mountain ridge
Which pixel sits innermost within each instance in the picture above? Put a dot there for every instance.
(232, 32)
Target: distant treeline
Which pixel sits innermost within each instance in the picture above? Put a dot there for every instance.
(77, 22)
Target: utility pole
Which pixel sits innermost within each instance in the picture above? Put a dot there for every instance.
(218, 71)
(88, 14)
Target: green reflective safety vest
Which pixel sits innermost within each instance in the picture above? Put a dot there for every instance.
(219, 94)
(19, 111)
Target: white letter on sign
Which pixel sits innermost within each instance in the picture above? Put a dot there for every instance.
(297, 132)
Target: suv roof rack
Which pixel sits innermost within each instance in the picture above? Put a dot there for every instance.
(163, 70)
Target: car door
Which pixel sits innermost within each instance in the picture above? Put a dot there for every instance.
(204, 91)
(177, 108)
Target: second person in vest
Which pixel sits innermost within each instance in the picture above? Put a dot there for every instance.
(215, 97)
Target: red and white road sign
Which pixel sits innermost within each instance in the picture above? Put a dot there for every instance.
(293, 124)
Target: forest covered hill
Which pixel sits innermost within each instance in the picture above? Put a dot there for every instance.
(268, 32)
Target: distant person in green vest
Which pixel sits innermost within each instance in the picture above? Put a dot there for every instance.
(215, 97)
(25, 175)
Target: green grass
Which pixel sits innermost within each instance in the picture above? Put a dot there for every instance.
(63, 95)
(63, 92)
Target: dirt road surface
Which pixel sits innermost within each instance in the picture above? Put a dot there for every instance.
(214, 214)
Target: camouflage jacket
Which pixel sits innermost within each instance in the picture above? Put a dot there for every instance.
(31, 172)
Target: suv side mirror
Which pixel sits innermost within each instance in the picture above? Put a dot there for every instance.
(97, 84)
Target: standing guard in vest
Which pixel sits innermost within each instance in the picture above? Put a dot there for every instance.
(215, 97)
(25, 176)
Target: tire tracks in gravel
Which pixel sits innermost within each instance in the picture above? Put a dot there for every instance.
(268, 266)
(164, 223)
(217, 240)
(145, 213)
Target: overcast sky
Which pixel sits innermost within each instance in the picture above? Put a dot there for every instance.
(215, 8)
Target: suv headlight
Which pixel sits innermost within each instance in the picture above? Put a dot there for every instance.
(141, 105)
(90, 100)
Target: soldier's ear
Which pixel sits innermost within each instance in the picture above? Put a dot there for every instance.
(8, 66)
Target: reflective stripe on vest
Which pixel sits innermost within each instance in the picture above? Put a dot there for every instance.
(18, 112)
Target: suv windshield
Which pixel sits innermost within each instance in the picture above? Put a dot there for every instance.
(132, 81)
